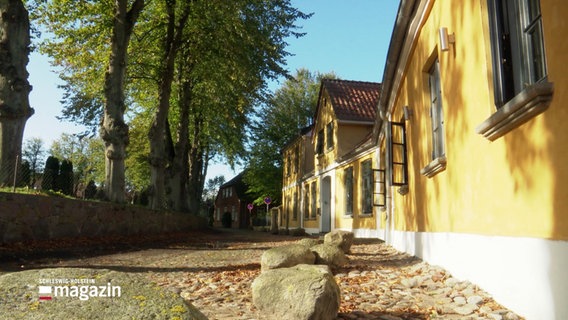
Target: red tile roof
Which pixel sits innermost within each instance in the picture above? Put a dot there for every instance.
(353, 100)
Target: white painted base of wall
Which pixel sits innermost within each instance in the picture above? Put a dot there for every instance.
(526, 275)
(362, 233)
(312, 230)
(359, 233)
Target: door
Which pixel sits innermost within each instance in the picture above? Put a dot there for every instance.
(325, 205)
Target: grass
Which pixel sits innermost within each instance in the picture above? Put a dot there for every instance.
(27, 190)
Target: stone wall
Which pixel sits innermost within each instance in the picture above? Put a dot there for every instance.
(36, 217)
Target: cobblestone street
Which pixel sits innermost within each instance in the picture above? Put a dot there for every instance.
(214, 271)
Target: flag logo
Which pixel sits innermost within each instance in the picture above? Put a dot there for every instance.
(45, 293)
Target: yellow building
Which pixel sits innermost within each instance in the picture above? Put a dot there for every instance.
(473, 131)
(329, 170)
(298, 157)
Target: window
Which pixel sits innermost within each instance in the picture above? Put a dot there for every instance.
(296, 159)
(320, 141)
(307, 201)
(380, 191)
(288, 164)
(436, 113)
(519, 65)
(295, 207)
(438, 157)
(329, 135)
(348, 183)
(396, 154)
(314, 198)
(367, 187)
(234, 213)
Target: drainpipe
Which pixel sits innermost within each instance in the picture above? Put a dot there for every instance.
(388, 201)
(405, 12)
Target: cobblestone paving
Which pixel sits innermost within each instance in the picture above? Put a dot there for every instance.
(215, 272)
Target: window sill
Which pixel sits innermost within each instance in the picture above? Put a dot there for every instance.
(526, 105)
(366, 215)
(348, 216)
(434, 167)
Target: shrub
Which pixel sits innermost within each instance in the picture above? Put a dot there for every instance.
(65, 178)
(50, 173)
(91, 190)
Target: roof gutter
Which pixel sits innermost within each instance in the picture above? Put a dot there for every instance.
(406, 10)
(356, 122)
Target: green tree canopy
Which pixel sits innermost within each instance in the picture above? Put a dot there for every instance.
(195, 71)
(277, 122)
(86, 154)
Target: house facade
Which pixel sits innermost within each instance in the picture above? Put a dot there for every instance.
(467, 150)
(298, 157)
(473, 132)
(232, 201)
(333, 185)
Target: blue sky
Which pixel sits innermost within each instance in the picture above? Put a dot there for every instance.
(349, 37)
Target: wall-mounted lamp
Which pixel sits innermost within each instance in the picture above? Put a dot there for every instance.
(446, 39)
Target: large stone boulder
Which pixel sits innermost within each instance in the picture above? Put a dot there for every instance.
(296, 293)
(309, 242)
(75, 293)
(330, 255)
(286, 256)
(340, 238)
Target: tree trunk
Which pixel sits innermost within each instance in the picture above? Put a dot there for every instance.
(114, 130)
(197, 167)
(14, 86)
(158, 132)
(179, 169)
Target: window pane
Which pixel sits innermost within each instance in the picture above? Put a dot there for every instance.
(314, 197)
(536, 47)
(330, 135)
(307, 201)
(295, 207)
(436, 112)
(319, 148)
(348, 190)
(533, 9)
(367, 186)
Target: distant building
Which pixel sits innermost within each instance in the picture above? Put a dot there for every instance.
(232, 200)
(328, 169)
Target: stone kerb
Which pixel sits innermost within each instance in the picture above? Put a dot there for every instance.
(297, 293)
(76, 293)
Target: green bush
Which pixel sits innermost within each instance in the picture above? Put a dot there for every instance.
(227, 220)
(50, 174)
(65, 177)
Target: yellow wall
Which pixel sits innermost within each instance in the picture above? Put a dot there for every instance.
(325, 115)
(289, 195)
(349, 136)
(514, 186)
(358, 220)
